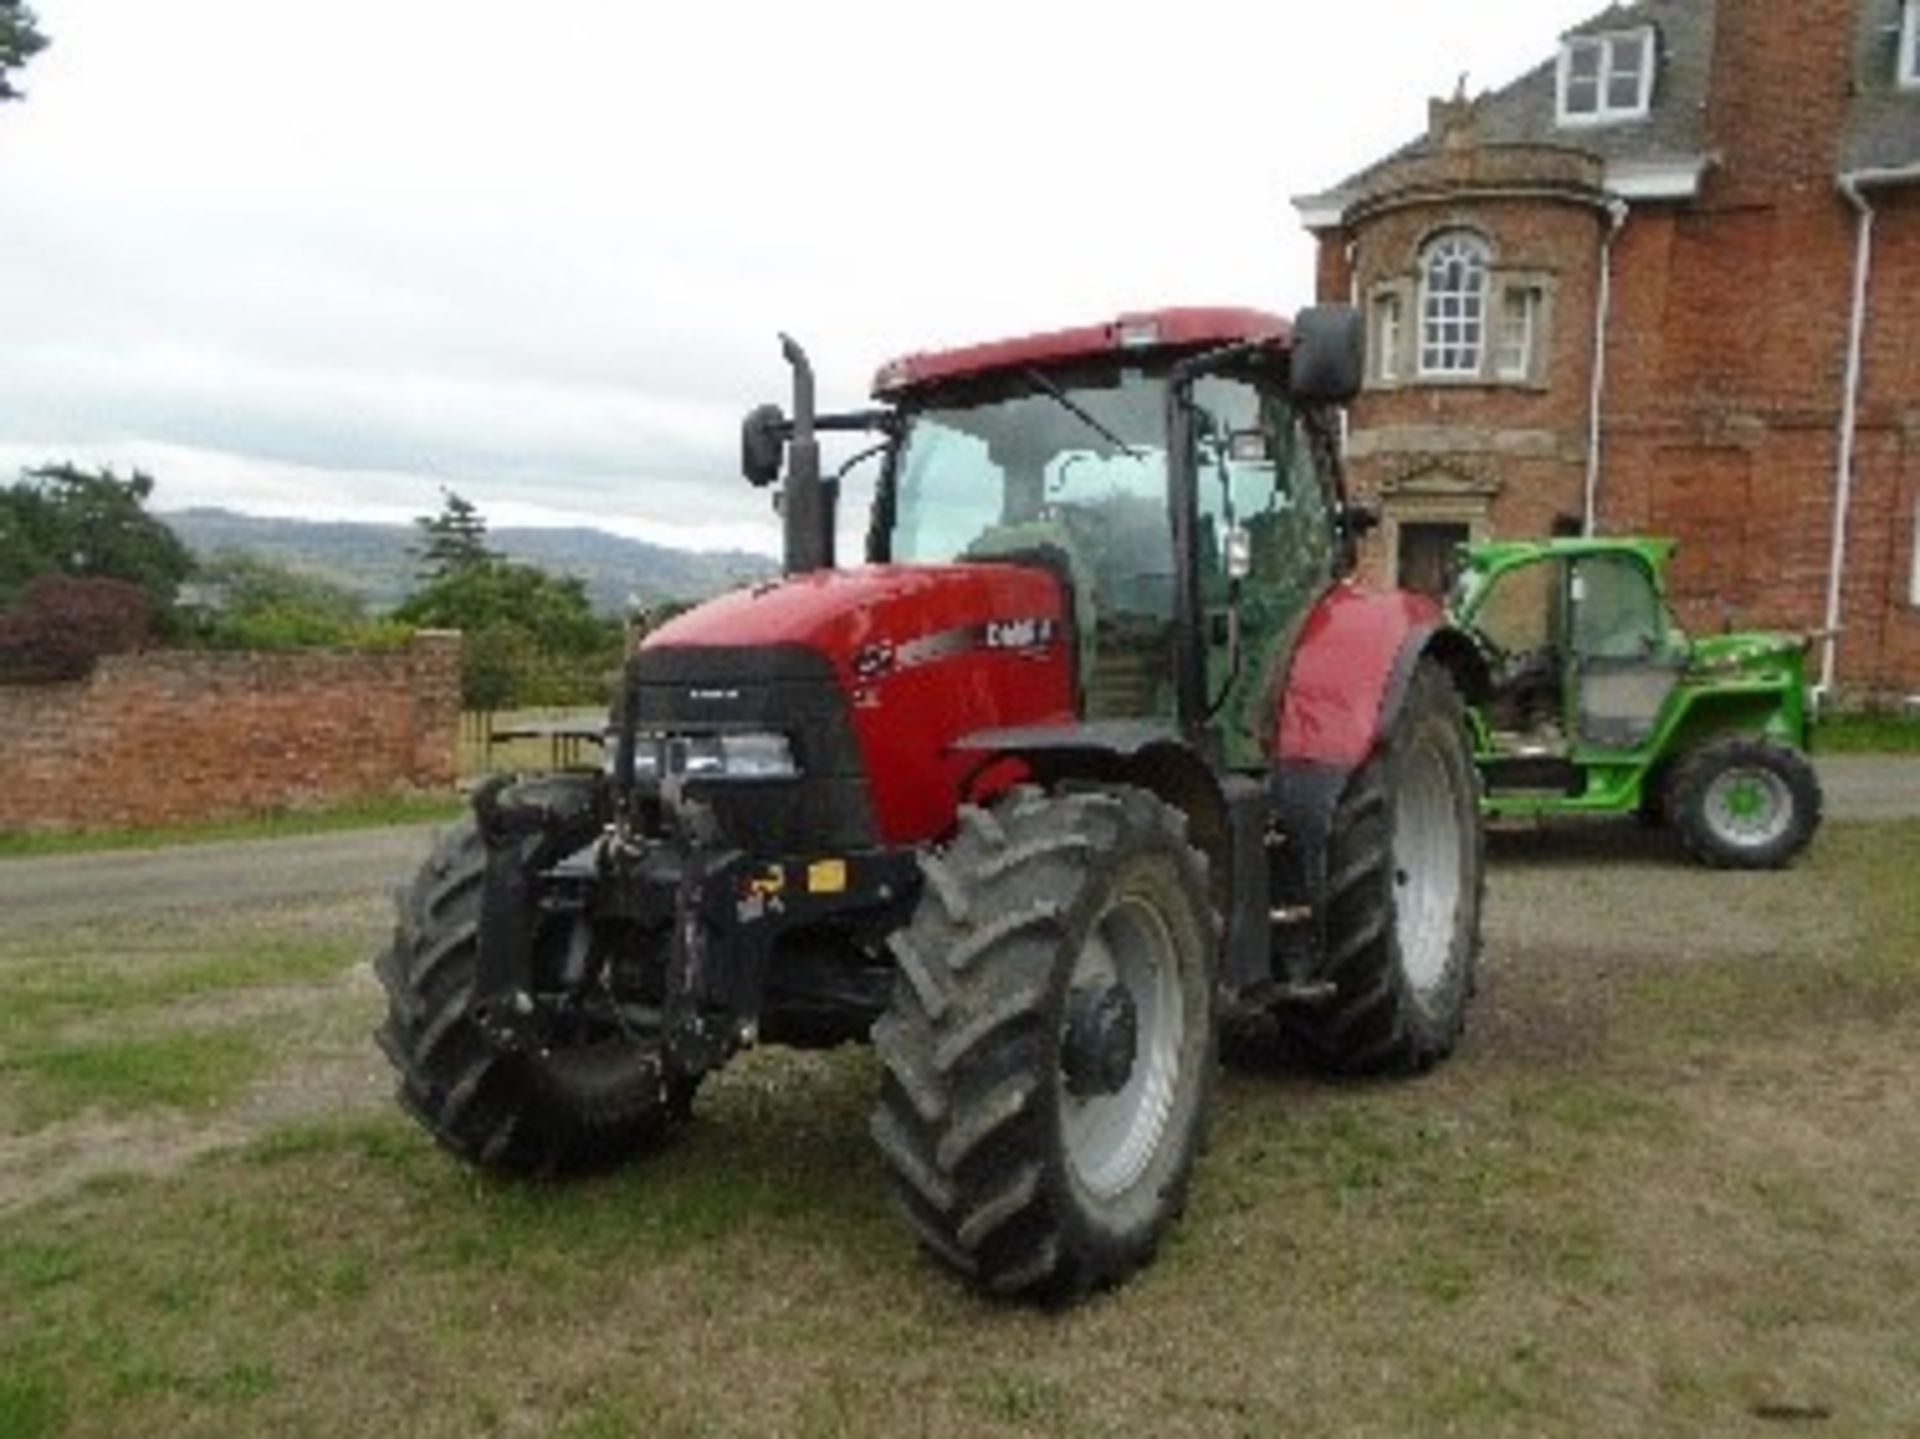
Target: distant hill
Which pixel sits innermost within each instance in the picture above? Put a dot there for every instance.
(374, 561)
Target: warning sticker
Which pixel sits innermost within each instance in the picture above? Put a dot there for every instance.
(827, 876)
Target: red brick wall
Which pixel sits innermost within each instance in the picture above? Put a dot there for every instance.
(1778, 94)
(1881, 623)
(1727, 360)
(169, 736)
(1726, 355)
(1529, 440)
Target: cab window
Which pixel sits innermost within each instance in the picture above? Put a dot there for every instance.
(1517, 614)
(1616, 611)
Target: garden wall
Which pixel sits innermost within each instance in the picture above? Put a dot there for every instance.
(172, 735)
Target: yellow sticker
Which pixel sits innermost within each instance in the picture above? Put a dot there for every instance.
(827, 876)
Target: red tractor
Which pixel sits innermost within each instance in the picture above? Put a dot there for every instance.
(1100, 746)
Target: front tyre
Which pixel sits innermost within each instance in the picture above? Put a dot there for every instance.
(596, 1093)
(1405, 876)
(1049, 1049)
(1742, 802)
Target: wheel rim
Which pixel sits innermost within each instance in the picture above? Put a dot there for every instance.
(1427, 877)
(1749, 806)
(1110, 1139)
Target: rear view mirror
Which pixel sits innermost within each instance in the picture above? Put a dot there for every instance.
(1328, 356)
(763, 441)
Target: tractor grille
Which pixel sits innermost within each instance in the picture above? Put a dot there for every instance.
(786, 689)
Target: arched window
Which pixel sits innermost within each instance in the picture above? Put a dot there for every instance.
(1453, 304)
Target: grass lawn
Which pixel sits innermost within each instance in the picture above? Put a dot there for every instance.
(1868, 732)
(1667, 1187)
(356, 814)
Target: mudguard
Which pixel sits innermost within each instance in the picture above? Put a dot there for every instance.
(1344, 688)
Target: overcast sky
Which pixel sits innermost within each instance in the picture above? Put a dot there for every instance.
(322, 259)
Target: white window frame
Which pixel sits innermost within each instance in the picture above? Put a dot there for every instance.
(1468, 360)
(1913, 577)
(1531, 300)
(1908, 74)
(1608, 44)
(1389, 335)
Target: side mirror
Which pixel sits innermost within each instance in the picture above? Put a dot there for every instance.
(1328, 356)
(763, 442)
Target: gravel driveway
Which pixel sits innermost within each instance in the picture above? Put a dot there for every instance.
(230, 875)
(268, 874)
(1870, 786)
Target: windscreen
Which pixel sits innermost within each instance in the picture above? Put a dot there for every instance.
(965, 471)
(1073, 470)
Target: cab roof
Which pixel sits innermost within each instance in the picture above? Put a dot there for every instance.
(1189, 328)
(1490, 554)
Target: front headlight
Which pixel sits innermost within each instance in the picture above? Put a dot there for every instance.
(714, 756)
(756, 756)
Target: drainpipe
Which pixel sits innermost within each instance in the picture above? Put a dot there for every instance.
(1849, 426)
(1617, 210)
(1853, 184)
(1366, 319)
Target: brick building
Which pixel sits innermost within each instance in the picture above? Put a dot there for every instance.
(1668, 282)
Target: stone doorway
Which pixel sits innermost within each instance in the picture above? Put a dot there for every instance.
(1427, 557)
(1428, 514)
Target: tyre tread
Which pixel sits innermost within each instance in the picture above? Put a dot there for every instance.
(964, 1117)
(513, 1112)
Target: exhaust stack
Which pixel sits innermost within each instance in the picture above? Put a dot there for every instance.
(809, 503)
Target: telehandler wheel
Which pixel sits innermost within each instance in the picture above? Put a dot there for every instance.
(1406, 872)
(1050, 1045)
(597, 1095)
(1742, 802)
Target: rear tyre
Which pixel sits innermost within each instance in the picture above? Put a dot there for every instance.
(1049, 1049)
(1742, 802)
(1652, 811)
(1405, 876)
(599, 1093)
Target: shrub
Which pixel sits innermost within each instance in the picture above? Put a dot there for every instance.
(63, 624)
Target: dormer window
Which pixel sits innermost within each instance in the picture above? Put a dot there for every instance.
(1607, 78)
(1909, 74)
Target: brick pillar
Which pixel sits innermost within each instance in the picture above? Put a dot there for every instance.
(434, 669)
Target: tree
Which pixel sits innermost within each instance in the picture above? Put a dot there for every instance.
(60, 519)
(451, 540)
(531, 637)
(256, 603)
(20, 41)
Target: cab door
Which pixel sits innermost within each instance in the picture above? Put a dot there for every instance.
(1266, 548)
(1626, 656)
(1520, 619)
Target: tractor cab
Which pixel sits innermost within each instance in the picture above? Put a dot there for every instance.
(1190, 514)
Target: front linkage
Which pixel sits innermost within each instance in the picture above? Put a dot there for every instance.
(657, 871)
